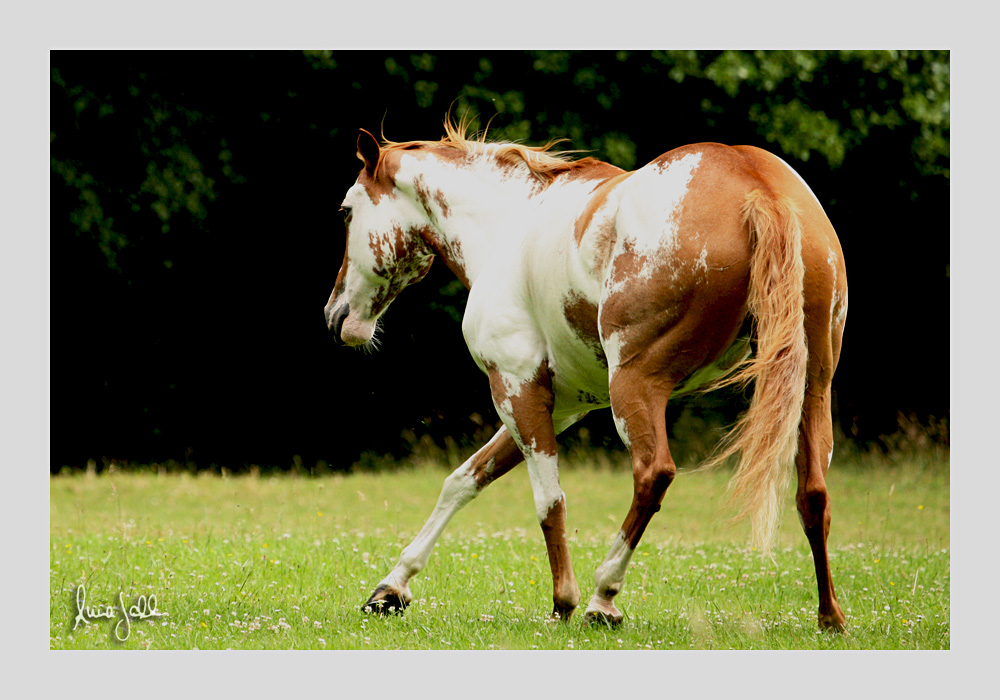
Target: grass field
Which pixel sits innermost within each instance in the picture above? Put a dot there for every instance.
(285, 563)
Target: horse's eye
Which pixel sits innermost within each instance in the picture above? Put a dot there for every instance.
(347, 213)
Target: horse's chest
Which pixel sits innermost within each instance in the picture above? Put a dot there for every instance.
(562, 334)
(541, 307)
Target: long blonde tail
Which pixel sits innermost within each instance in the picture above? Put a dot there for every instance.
(766, 435)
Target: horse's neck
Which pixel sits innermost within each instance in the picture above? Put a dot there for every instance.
(474, 208)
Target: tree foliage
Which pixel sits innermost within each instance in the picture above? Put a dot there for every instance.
(193, 200)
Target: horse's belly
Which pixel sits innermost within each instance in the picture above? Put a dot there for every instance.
(700, 378)
(579, 382)
(565, 310)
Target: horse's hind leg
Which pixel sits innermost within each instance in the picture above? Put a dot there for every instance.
(812, 462)
(638, 402)
(498, 457)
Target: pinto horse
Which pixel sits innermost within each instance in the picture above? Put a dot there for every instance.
(590, 287)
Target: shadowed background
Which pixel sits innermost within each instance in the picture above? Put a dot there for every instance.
(195, 234)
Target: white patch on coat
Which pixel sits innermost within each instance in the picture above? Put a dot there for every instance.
(838, 303)
(483, 200)
(648, 215)
(515, 318)
(841, 307)
(622, 429)
(613, 352)
(831, 260)
(702, 262)
(519, 255)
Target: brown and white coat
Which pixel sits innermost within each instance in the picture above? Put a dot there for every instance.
(592, 287)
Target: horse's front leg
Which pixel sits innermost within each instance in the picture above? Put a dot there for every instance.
(525, 406)
(495, 459)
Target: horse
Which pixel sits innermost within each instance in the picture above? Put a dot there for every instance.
(590, 286)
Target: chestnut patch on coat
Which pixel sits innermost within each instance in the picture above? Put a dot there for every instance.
(530, 406)
(383, 182)
(442, 203)
(400, 260)
(589, 169)
(494, 460)
(424, 197)
(449, 251)
(582, 317)
(596, 201)
(389, 250)
(565, 592)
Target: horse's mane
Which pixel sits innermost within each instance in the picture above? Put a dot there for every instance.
(541, 161)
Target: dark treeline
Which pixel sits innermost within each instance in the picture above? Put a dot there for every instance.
(195, 233)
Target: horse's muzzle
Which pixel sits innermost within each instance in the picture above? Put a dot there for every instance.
(335, 320)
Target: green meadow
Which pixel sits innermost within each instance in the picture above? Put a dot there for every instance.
(284, 562)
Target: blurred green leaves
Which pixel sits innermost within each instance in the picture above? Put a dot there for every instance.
(88, 216)
(175, 175)
(794, 97)
(800, 131)
(165, 177)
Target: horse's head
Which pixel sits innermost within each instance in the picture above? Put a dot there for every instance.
(385, 249)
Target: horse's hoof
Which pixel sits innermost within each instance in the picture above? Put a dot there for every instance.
(600, 617)
(601, 610)
(833, 623)
(562, 614)
(385, 601)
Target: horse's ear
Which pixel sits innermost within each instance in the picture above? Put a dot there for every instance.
(368, 151)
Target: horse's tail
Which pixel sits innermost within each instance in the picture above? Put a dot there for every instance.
(766, 435)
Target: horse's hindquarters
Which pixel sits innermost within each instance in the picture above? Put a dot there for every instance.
(679, 269)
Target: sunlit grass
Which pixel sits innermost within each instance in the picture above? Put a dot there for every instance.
(282, 562)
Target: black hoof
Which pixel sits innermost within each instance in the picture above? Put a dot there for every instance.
(384, 602)
(562, 614)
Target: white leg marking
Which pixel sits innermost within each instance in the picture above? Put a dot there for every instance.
(459, 488)
(543, 470)
(610, 576)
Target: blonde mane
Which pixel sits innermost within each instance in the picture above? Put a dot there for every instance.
(541, 161)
